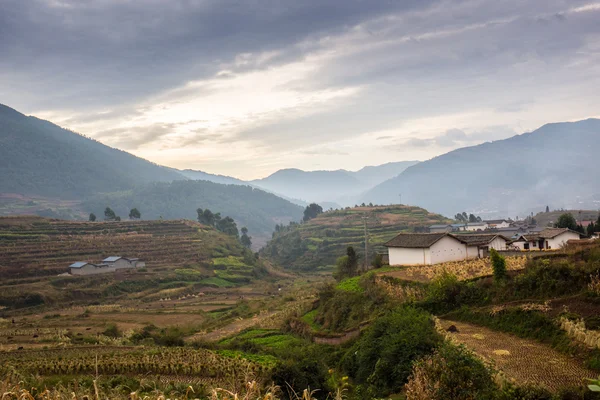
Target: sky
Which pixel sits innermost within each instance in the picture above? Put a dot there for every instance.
(244, 88)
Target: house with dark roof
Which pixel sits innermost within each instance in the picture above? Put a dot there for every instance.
(547, 239)
(119, 262)
(435, 248)
(498, 223)
(86, 268)
(440, 228)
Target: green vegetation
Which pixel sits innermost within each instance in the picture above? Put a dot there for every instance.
(255, 209)
(499, 265)
(321, 240)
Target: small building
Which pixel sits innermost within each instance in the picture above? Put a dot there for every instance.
(440, 228)
(479, 245)
(547, 239)
(425, 249)
(476, 226)
(498, 223)
(85, 268)
(123, 262)
(458, 227)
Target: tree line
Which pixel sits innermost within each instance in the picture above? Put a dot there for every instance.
(226, 225)
(110, 215)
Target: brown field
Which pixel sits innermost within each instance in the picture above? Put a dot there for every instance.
(524, 361)
(463, 270)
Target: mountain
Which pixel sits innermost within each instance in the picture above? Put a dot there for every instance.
(554, 164)
(321, 240)
(205, 176)
(331, 187)
(40, 158)
(254, 208)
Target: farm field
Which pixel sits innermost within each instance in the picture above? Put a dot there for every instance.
(320, 241)
(522, 360)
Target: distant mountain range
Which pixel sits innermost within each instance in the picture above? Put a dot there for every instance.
(555, 164)
(340, 187)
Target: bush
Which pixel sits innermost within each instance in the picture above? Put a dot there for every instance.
(452, 373)
(446, 293)
(499, 265)
(112, 331)
(382, 358)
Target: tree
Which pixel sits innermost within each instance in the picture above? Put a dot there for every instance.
(311, 211)
(92, 217)
(499, 265)
(472, 218)
(245, 239)
(117, 218)
(134, 214)
(377, 261)
(109, 214)
(547, 209)
(591, 228)
(228, 226)
(347, 266)
(459, 217)
(566, 220)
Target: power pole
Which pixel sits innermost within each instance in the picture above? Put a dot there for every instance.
(400, 198)
(364, 218)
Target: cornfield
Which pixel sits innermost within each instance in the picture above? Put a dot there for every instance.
(577, 331)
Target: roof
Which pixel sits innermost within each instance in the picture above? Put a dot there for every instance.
(111, 259)
(550, 233)
(496, 221)
(478, 239)
(457, 225)
(79, 264)
(439, 226)
(416, 240)
(477, 224)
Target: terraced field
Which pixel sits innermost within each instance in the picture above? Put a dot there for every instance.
(34, 246)
(320, 241)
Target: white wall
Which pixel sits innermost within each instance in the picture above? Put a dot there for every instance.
(498, 244)
(560, 240)
(402, 256)
(473, 228)
(121, 263)
(473, 252)
(91, 270)
(448, 249)
(503, 224)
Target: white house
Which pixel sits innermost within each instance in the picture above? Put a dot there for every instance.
(85, 268)
(425, 249)
(497, 223)
(122, 262)
(479, 244)
(547, 239)
(476, 226)
(440, 228)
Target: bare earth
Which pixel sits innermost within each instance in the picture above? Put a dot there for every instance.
(523, 360)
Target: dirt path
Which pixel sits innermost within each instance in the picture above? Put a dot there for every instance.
(523, 360)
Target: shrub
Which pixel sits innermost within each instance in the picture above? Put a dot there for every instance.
(499, 265)
(451, 373)
(382, 358)
(112, 331)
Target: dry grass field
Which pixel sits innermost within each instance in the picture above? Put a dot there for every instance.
(464, 270)
(524, 361)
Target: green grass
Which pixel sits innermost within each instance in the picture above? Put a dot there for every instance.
(309, 318)
(230, 261)
(351, 285)
(216, 281)
(265, 360)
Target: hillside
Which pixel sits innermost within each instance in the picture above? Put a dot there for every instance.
(320, 241)
(550, 218)
(256, 209)
(205, 176)
(507, 177)
(40, 158)
(336, 187)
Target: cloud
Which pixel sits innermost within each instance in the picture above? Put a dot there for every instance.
(253, 83)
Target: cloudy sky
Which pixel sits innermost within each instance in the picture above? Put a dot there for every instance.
(244, 88)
